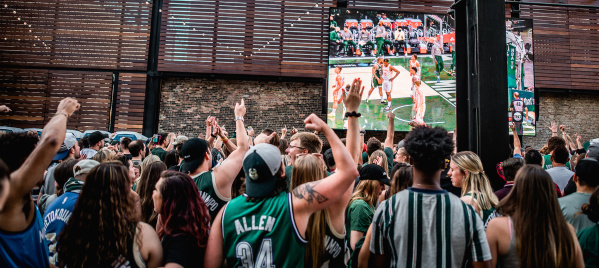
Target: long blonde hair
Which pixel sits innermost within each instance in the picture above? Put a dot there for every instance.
(475, 180)
(383, 156)
(308, 168)
(367, 191)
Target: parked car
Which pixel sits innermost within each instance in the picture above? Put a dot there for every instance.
(129, 134)
(78, 134)
(87, 132)
(4, 129)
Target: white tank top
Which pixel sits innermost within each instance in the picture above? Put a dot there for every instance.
(386, 72)
(415, 78)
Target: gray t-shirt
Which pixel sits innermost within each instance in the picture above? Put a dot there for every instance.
(89, 153)
(428, 228)
(48, 187)
(437, 49)
(571, 205)
(364, 36)
(561, 176)
(347, 35)
(380, 30)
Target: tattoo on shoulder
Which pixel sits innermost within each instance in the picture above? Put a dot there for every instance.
(306, 191)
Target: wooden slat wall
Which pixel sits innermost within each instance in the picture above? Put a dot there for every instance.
(33, 95)
(431, 6)
(130, 102)
(245, 37)
(75, 34)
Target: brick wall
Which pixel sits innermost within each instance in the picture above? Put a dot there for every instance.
(187, 102)
(580, 114)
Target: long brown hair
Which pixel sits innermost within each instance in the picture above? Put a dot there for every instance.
(402, 179)
(543, 237)
(102, 224)
(308, 168)
(147, 182)
(475, 181)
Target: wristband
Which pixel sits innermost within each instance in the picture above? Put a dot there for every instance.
(225, 140)
(214, 136)
(62, 114)
(239, 118)
(353, 114)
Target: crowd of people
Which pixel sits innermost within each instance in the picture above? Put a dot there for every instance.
(267, 200)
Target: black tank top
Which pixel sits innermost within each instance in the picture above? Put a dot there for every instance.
(335, 247)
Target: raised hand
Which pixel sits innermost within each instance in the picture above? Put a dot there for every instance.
(562, 128)
(577, 137)
(314, 122)
(390, 115)
(284, 130)
(4, 109)
(513, 126)
(209, 121)
(293, 131)
(68, 106)
(553, 127)
(240, 109)
(354, 96)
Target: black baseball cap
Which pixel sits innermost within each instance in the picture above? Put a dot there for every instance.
(95, 137)
(193, 151)
(260, 165)
(374, 172)
(587, 169)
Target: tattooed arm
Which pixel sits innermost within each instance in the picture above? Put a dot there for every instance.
(313, 196)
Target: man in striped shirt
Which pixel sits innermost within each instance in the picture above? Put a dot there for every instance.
(425, 226)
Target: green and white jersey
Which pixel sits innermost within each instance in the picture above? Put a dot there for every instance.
(262, 233)
(428, 228)
(206, 183)
(547, 162)
(377, 74)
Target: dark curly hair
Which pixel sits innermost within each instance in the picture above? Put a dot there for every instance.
(555, 141)
(372, 145)
(150, 175)
(428, 147)
(16, 147)
(102, 224)
(183, 210)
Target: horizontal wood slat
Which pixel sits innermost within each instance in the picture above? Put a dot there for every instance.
(130, 102)
(75, 34)
(33, 95)
(245, 37)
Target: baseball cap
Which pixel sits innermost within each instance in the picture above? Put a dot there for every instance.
(587, 168)
(84, 166)
(180, 140)
(374, 172)
(193, 152)
(95, 137)
(69, 142)
(260, 165)
(593, 151)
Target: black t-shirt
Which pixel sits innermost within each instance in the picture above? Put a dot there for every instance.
(183, 250)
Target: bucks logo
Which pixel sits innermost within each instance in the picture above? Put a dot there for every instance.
(253, 174)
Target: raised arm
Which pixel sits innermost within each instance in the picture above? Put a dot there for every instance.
(26, 177)
(209, 135)
(230, 146)
(390, 130)
(283, 132)
(352, 103)
(225, 173)
(310, 197)
(553, 128)
(578, 143)
(517, 145)
(171, 140)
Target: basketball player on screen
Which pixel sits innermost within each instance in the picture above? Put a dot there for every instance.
(414, 63)
(418, 98)
(387, 80)
(339, 82)
(377, 81)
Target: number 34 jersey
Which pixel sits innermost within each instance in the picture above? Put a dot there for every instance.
(262, 233)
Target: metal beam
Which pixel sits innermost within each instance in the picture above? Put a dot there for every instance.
(153, 80)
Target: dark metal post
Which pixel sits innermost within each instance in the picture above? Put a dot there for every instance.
(153, 81)
(113, 100)
(482, 101)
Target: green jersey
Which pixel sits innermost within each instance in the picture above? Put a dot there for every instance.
(377, 74)
(547, 162)
(206, 183)
(262, 233)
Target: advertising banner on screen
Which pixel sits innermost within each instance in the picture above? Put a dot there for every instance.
(520, 75)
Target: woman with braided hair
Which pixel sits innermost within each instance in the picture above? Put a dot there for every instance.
(466, 172)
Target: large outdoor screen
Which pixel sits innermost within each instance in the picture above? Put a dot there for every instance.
(520, 75)
(406, 62)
